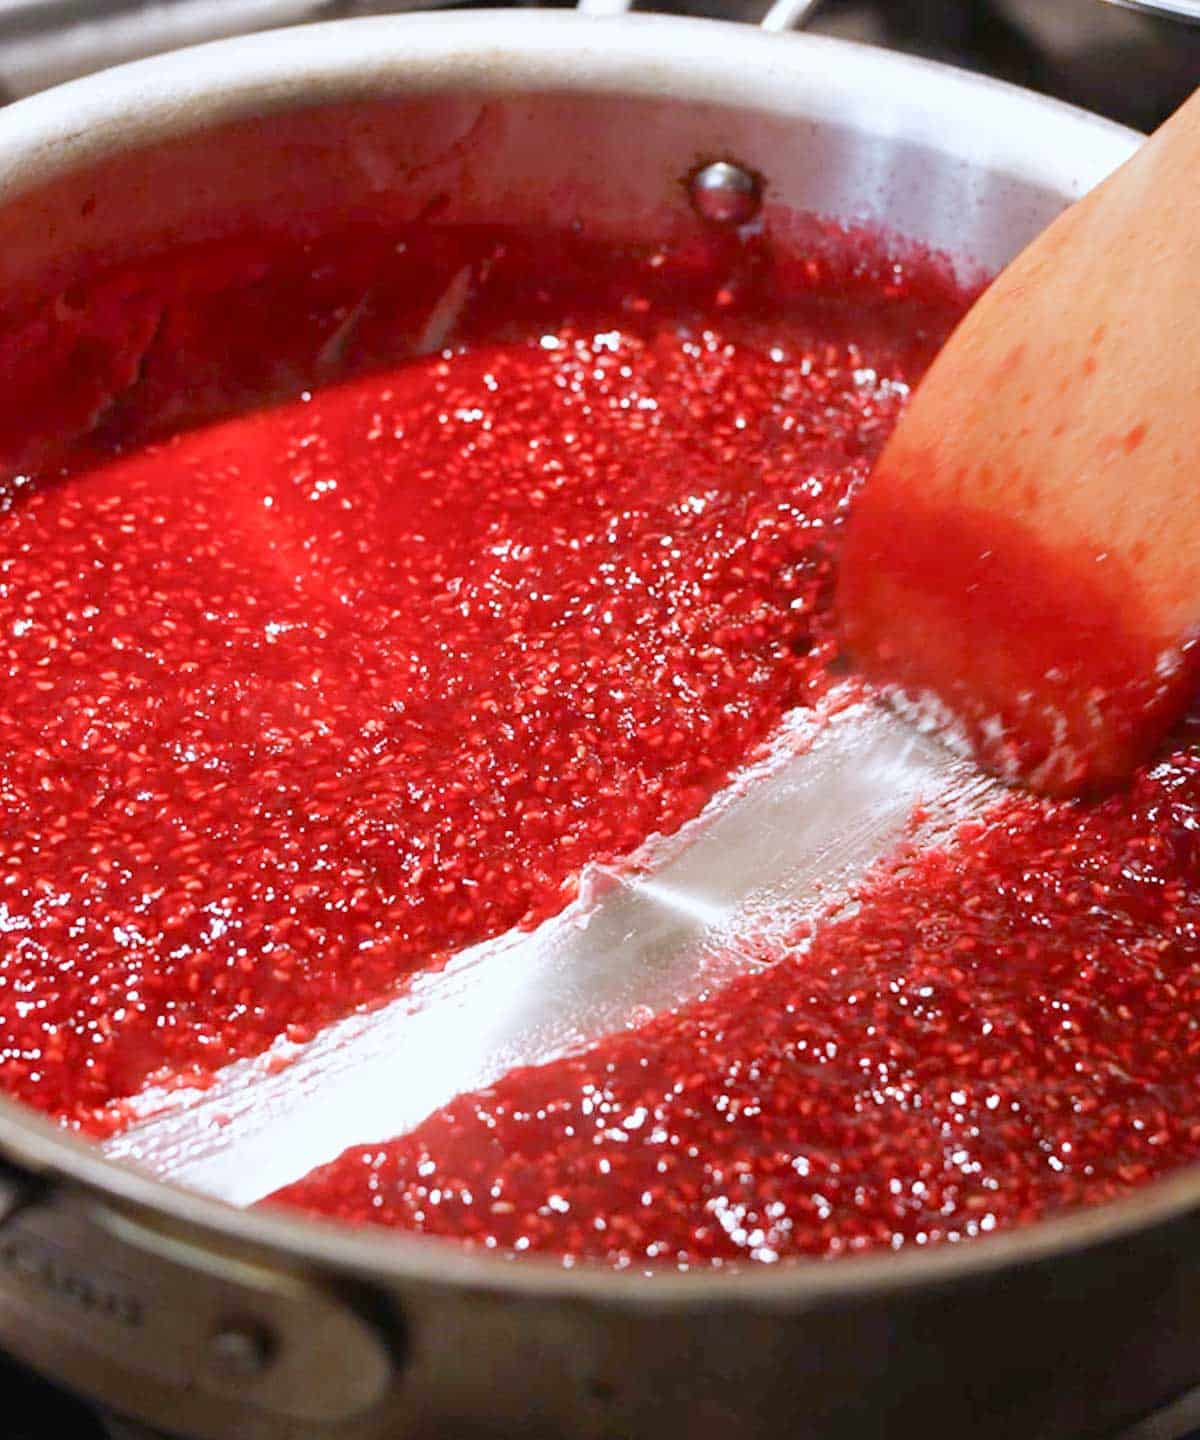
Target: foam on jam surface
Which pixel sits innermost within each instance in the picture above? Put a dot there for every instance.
(1005, 1028)
(301, 702)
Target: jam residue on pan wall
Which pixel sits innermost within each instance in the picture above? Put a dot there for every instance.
(303, 701)
(1004, 1028)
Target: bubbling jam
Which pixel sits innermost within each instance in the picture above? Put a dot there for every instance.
(301, 702)
(1004, 1028)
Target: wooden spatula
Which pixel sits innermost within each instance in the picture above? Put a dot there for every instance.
(1026, 554)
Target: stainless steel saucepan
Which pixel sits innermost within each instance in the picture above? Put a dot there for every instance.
(200, 1319)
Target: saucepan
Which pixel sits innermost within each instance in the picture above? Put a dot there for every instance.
(197, 1318)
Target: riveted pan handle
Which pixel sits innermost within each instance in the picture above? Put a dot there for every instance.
(134, 1315)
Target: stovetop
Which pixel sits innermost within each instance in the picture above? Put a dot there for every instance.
(1125, 62)
(35, 1410)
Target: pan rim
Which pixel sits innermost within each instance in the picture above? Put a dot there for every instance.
(699, 61)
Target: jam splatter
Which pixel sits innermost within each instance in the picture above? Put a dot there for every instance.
(1003, 1029)
(302, 702)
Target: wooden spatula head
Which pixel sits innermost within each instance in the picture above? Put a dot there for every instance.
(1026, 553)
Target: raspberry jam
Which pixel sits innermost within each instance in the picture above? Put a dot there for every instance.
(303, 701)
(1004, 1028)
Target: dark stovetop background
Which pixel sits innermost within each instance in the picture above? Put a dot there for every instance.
(1132, 67)
(33, 1410)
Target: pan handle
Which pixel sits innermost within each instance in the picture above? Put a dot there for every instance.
(782, 15)
(1186, 10)
(123, 1309)
(789, 15)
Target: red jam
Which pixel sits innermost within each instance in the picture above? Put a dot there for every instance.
(304, 701)
(1004, 1029)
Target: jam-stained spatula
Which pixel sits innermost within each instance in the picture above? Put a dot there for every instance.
(1026, 553)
